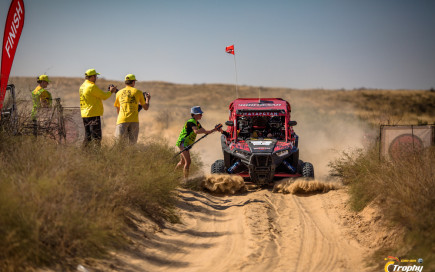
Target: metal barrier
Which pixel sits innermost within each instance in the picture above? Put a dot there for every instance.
(63, 124)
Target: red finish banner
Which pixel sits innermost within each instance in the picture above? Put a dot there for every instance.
(11, 36)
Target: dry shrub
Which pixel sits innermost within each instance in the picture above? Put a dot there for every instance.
(404, 189)
(356, 168)
(59, 202)
(302, 186)
(407, 194)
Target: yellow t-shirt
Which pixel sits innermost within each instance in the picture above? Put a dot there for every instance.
(91, 99)
(127, 100)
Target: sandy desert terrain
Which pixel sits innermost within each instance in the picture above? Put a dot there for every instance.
(258, 230)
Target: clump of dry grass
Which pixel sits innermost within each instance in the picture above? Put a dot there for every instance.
(404, 189)
(354, 168)
(59, 203)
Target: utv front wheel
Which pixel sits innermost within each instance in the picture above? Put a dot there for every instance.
(308, 170)
(218, 167)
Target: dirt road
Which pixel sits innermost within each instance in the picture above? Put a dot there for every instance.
(256, 231)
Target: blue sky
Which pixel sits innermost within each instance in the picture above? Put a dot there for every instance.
(388, 44)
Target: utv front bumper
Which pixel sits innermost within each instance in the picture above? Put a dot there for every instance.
(261, 168)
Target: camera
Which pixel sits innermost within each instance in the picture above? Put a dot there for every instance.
(111, 85)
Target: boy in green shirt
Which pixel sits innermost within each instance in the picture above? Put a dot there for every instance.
(187, 137)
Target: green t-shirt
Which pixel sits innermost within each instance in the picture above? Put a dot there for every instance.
(188, 135)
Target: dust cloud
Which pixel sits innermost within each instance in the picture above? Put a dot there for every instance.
(232, 184)
(226, 184)
(323, 133)
(217, 183)
(323, 136)
(302, 186)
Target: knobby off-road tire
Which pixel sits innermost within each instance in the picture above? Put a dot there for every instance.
(308, 170)
(218, 167)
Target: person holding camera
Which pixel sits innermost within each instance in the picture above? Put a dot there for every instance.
(127, 104)
(91, 107)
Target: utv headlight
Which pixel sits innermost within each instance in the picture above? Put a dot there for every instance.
(282, 153)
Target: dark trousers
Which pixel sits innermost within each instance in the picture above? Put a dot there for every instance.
(92, 130)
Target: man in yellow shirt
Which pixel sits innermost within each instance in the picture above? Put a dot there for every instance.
(126, 103)
(91, 106)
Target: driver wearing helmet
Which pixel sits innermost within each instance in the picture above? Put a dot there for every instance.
(259, 124)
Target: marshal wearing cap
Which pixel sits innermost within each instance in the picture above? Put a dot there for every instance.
(130, 77)
(43, 78)
(91, 72)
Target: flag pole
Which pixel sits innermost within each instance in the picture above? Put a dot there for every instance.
(230, 50)
(235, 68)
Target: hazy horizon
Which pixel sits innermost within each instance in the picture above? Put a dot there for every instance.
(334, 44)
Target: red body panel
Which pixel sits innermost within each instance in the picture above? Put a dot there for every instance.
(275, 129)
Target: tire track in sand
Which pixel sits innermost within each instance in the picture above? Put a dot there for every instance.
(256, 231)
(306, 235)
(264, 232)
(324, 245)
(317, 249)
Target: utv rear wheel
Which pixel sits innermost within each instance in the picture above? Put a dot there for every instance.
(218, 167)
(308, 170)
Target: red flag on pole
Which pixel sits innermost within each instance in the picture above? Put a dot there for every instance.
(230, 49)
(13, 28)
